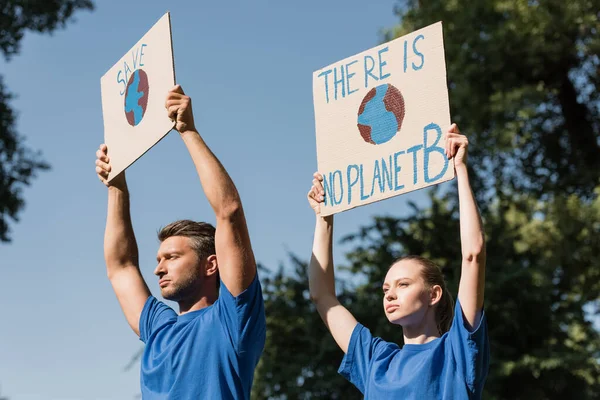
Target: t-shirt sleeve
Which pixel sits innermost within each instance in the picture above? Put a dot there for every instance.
(244, 319)
(362, 350)
(471, 349)
(154, 315)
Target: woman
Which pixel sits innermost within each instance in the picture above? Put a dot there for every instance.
(446, 351)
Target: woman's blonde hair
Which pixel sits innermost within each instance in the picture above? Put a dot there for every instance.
(432, 275)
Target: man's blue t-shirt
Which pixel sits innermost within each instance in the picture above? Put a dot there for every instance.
(206, 354)
(453, 366)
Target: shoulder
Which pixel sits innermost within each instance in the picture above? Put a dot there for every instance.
(459, 326)
(252, 293)
(363, 339)
(154, 307)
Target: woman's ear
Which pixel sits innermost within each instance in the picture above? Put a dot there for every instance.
(212, 266)
(435, 295)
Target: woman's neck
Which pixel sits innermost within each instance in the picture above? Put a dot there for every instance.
(422, 333)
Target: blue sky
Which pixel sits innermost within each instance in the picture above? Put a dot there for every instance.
(248, 68)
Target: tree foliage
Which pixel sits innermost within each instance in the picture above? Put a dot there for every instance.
(18, 163)
(523, 81)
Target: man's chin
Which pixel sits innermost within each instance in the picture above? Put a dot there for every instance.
(168, 295)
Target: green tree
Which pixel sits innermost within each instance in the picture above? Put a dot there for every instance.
(523, 78)
(523, 81)
(18, 163)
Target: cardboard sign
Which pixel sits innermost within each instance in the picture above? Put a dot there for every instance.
(134, 91)
(380, 121)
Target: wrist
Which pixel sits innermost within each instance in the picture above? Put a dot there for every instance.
(460, 168)
(189, 132)
(117, 189)
(461, 172)
(328, 220)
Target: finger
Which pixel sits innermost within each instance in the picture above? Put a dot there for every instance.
(317, 195)
(173, 102)
(454, 147)
(319, 185)
(453, 128)
(104, 180)
(102, 156)
(105, 167)
(312, 195)
(318, 176)
(101, 172)
(173, 112)
(104, 148)
(173, 97)
(177, 89)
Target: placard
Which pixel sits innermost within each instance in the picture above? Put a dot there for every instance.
(380, 121)
(134, 91)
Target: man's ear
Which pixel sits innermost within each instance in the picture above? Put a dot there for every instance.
(435, 295)
(211, 265)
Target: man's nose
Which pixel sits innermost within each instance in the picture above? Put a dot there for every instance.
(160, 269)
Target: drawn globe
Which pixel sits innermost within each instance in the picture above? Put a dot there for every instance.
(136, 97)
(380, 114)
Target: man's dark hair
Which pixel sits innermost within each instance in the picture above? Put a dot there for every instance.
(201, 234)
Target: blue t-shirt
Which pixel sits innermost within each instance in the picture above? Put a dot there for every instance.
(205, 354)
(453, 366)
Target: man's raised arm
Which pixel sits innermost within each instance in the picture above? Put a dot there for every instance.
(120, 247)
(237, 266)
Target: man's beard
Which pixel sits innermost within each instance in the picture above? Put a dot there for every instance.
(181, 291)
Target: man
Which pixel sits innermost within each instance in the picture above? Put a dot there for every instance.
(210, 349)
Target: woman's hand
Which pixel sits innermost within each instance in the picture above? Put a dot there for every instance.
(456, 146)
(316, 194)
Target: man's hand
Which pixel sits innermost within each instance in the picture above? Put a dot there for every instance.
(456, 146)
(179, 107)
(103, 168)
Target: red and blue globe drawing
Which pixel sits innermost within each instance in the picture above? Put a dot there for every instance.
(136, 97)
(381, 114)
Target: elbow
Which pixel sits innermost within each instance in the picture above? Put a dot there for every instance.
(321, 298)
(230, 210)
(476, 253)
(314, 297)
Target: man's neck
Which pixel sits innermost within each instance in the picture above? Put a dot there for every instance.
(185, 306)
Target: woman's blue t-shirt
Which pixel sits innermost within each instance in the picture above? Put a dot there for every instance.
(453, 366)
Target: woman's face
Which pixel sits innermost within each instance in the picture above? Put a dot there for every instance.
(406, 299)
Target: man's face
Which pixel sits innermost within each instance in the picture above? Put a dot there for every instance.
(179, 269)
